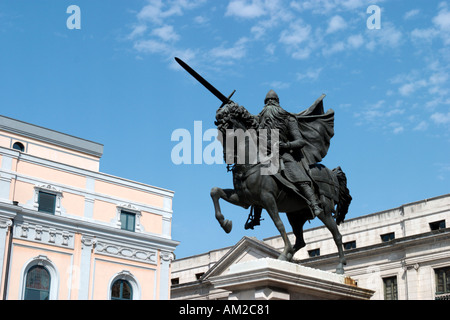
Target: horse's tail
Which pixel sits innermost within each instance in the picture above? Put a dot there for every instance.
(344, 195)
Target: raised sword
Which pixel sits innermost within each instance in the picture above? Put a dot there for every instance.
(205, 83)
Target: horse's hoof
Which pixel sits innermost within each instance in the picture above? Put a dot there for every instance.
(299, 245)
(227, 225)
(285, 257)
(340, 269)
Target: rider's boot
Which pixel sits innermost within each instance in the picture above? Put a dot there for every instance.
(314, 204)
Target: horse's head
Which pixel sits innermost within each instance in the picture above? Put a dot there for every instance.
(232, 119)
(233, 116)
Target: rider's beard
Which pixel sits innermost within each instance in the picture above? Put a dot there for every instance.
(272, 117)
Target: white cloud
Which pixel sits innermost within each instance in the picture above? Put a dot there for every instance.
(411, 13)
(310, 74)
(279, 85)
(441, 118)
(422, 126)
(326, 6)
(236, 52)
(438, 78)
(297, 33)
(424, 34)
(388, 37)
(442, 22)
(166, 33)
(408, 88)
(137, 31)
(201, 20)
(151, 46)
(157, 11)
(355, 41)
(398, 129)
(270, 49)
(246, 9)
(335, 24)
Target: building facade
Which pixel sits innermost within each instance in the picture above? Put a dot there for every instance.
(400, 254)
(68, 231)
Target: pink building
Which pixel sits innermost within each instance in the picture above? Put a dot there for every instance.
(70, 232)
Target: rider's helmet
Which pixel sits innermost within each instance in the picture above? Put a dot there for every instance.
(271, 95)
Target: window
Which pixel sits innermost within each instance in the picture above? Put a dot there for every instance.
(350, 245)
(390, 288)
(442, 282)
(18, 146)
(47, 202)
(437, 225)
(175, 281)
(37, 284)
(127, 220)
(121, 290)
(388, 237)
(199, 275)
(314, 253)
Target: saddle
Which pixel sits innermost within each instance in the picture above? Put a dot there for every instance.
(325, 182)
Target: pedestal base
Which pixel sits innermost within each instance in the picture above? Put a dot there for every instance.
(270, 279)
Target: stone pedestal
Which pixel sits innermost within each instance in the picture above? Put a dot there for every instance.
(270, 279)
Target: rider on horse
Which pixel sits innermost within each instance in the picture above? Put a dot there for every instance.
(292, 160)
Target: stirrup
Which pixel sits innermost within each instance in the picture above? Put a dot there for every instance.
(251, 221)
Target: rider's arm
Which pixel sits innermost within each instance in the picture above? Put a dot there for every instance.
(296, 139)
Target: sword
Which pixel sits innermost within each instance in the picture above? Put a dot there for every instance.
(205, 83)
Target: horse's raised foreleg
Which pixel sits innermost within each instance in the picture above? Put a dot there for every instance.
(228, 195)
(272, 209)
(330, 223)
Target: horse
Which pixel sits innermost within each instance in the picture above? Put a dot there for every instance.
(272, 191)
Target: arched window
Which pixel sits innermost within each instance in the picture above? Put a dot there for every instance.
(18, 146)
(37, 286)
(121, 290)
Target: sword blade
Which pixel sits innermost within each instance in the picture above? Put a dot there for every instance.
(203, 81)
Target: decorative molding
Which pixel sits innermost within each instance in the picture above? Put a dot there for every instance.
(38, 233)
(167, 256)
(43, 234)
(5, 223)
(24, 230)
(88, 241)
(120, 251)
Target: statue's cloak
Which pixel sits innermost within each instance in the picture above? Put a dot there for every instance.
(317, 129)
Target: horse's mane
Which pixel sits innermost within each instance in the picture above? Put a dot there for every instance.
(236, 113)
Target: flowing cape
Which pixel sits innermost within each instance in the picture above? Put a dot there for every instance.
(317, 129)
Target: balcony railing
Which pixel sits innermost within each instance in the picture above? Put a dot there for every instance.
(442, 296)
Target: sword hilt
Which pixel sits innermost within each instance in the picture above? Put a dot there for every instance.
(228, 99)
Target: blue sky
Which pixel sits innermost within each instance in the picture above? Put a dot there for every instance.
(114, 81)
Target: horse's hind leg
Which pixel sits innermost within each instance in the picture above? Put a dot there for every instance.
(330, 223)
(228, 195)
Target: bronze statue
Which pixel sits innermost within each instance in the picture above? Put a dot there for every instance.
(301, 187)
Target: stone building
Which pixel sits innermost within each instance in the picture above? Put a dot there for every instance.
(401, 253)
(68, 231)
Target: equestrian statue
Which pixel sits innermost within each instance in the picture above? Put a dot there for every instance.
(276, 167)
